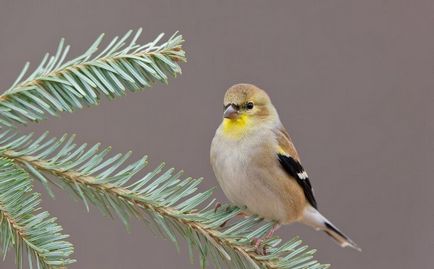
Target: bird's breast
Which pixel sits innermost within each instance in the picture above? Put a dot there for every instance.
(231, 160)
(235, 163)
(250, 175)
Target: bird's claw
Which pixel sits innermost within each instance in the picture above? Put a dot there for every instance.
(223, 224)
(257, 242)
(217, 206)
(227, 208)
(260, 248)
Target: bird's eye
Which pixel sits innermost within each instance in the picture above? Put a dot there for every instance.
(249, 105)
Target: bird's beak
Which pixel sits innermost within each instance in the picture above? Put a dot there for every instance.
(231, 112)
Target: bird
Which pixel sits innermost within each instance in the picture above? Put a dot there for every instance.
(258, 167)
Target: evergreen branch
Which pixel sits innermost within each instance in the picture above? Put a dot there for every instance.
(22, 227)
(57, 86)
(171, 206)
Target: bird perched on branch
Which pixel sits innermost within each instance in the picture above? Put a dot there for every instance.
(257, 165)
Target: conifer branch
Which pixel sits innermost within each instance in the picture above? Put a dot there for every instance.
(170, 205)
(22, 226)
(173, 206)
(57, 86)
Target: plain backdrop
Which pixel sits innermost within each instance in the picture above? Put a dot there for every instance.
(353, 82)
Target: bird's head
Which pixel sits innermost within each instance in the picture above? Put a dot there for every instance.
(246, 106)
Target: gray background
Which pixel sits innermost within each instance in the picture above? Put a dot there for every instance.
(352, 80)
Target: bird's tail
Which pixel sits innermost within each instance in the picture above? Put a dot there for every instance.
(314, 219)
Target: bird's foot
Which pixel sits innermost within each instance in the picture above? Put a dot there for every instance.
(257, 242)
(260, 249)
(221, 206)
(272, 230)
(227, 208)
(217, 206)
(223, 224)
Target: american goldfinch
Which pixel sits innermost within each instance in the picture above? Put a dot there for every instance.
(258, 167)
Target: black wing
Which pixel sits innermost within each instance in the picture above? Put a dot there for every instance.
(294, 169)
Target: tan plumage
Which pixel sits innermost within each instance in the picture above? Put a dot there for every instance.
(257, 165)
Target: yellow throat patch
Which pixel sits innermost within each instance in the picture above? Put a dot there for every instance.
(235, 128)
